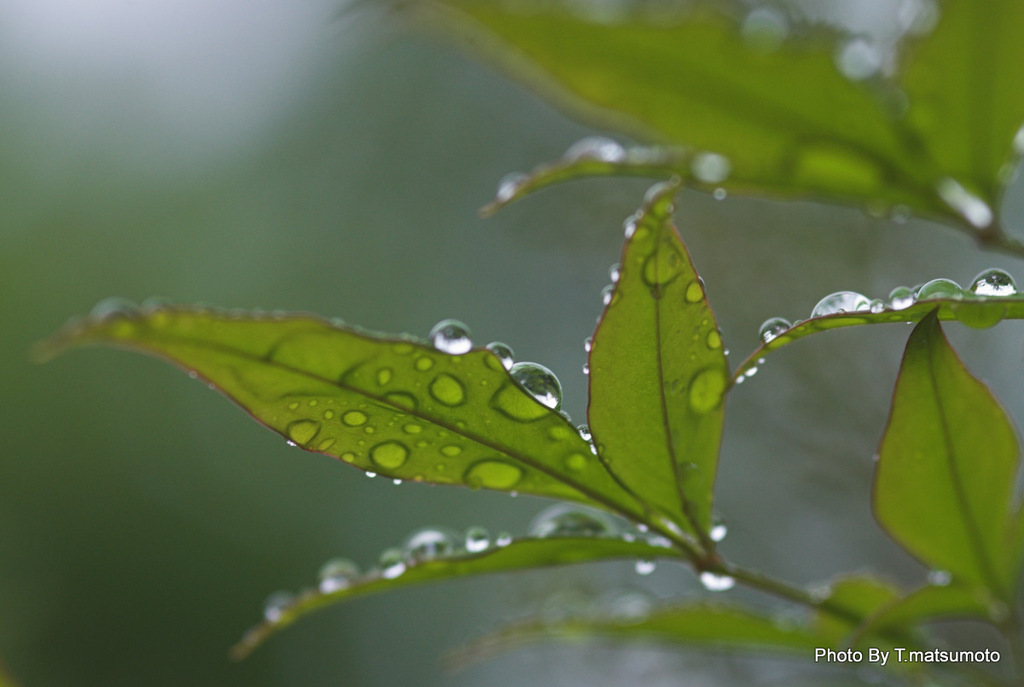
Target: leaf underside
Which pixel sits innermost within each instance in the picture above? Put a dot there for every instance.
(946, 469)
(787, 119)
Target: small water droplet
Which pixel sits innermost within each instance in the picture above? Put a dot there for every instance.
(841, 302)
(539, 382)
(477, 539)
(503, 539)
(859, 59)
(718, 530)
(765, 29)
(303, 431)
(877, 305)
(694, 292)
(614, 272)
(392, 563)
(570, 520)
(383, 375)
(629, 225)
(645, 567)
(370, 474)
(354, 418)
(451, 336)
(938, 289)
(448, 390)
(431, 543)
(901, 298)
(772, 328)
(716, 583)
(337, 573)
(389, 454)
(972, 208)
(451, 450)
(510, 185)
(493, 474)
(110, 308)
(276, 604)
(939, 578)
(626, 605)
(598, 148)
(503, 353)
(719, 193)
(993, 282)
(711, 168)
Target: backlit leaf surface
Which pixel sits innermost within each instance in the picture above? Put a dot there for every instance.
(657, 373)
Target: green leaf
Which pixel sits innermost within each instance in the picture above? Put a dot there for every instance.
(709, 625)
(520, 554)
(849, 601)
(947, 466)
(657, 373)
(975, 311)
(388, 405)
(5, 678)
(934, 602)
(935, 136)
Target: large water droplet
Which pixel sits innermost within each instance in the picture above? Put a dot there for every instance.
(493, 474)
(503, 353)
(570, 520)
(840, 302)
(939, 288)
(389, 455)
(477, 539)
(112, 307)
(711, 168)
(337, 573)
(431, 543)
(772, 328)
(303, 431)
(392, 563)
(448, 390)
(859, 59)
(539, 382)
(901, 298)
(716, 583)
(276, 604)
(451, 336)
(706, 390)
(596, 148)
(971, 207)
(993, 282)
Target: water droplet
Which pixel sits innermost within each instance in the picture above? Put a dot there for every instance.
(477, 539)
(451, 336)
(614, 272)
(354, 418)
(765, 29)
(719, 193)
(714, 339)
(939, 288)
(383, 376)
(629, 604)
(448, 390)
(392, 563)
(503, 353)
(337, 573)
(431, 543)
(607, 294)
(772, 328)
(877, 305)
(570, 520)
(840, 302)
(718, 530)
(663, 265)
(629, 225)
(597, 148)
(325, 444)
(901, 298)
(645, 567)
(303, 431)
(510, 185)
(451, 450)
(939, 578)
(493, 474)
(859, 59)
(694, 292)
(276, 604)
(390, 454)
(711, 168)
(503, 539)
(402, 399)
(424, 363)
(993, 282)
(971, 207)
(575, 462)
(370, 474)
(706, 389)
(110, 308)
(539, 382)
(716, 583)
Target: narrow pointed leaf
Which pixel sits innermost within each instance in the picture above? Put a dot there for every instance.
(657, 373)
(702, 625)
(392, 406)
(974, 311)
(947, 466)
(520, 554)
(933, 136)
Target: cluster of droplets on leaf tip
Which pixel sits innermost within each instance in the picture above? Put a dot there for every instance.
(451, 336)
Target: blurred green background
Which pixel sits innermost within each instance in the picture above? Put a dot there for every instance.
(280, 156)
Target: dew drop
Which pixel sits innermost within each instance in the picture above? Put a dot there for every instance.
(711, 168)
(303, 431)
(325, 444)
(663, 265)
(539, 382)
(448, 390)
(939, 578)
(570, 520)
(706, 390)
(575, 462)
(370, 474)
(588, 344)
(276, 604)
(383, 376)
(510, 185)
(714, 339)
(877, 305)
(718, 530)
(629, 225)
(336, 574)
(901, 298)
(493, 474)
(597, 148)
(841, 302)
(431, 543)
(354, 418)
(629, 605)
(392, 563)
(424, 363)
(451, 450)
(607, 294)
(716, 583)
(719, 193)
(993, 282)
(503, 353)
(859, 59)
(939, 288)
(503, 539)
(765, 29)
(586, 368)
(389, 455)
(971, 207)
(772, 328)
(615, 272)
(477, 539)
(645, 567)
(400, 398)
(113, 307)
(451, 336)
(694, 292)
(585, 434)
